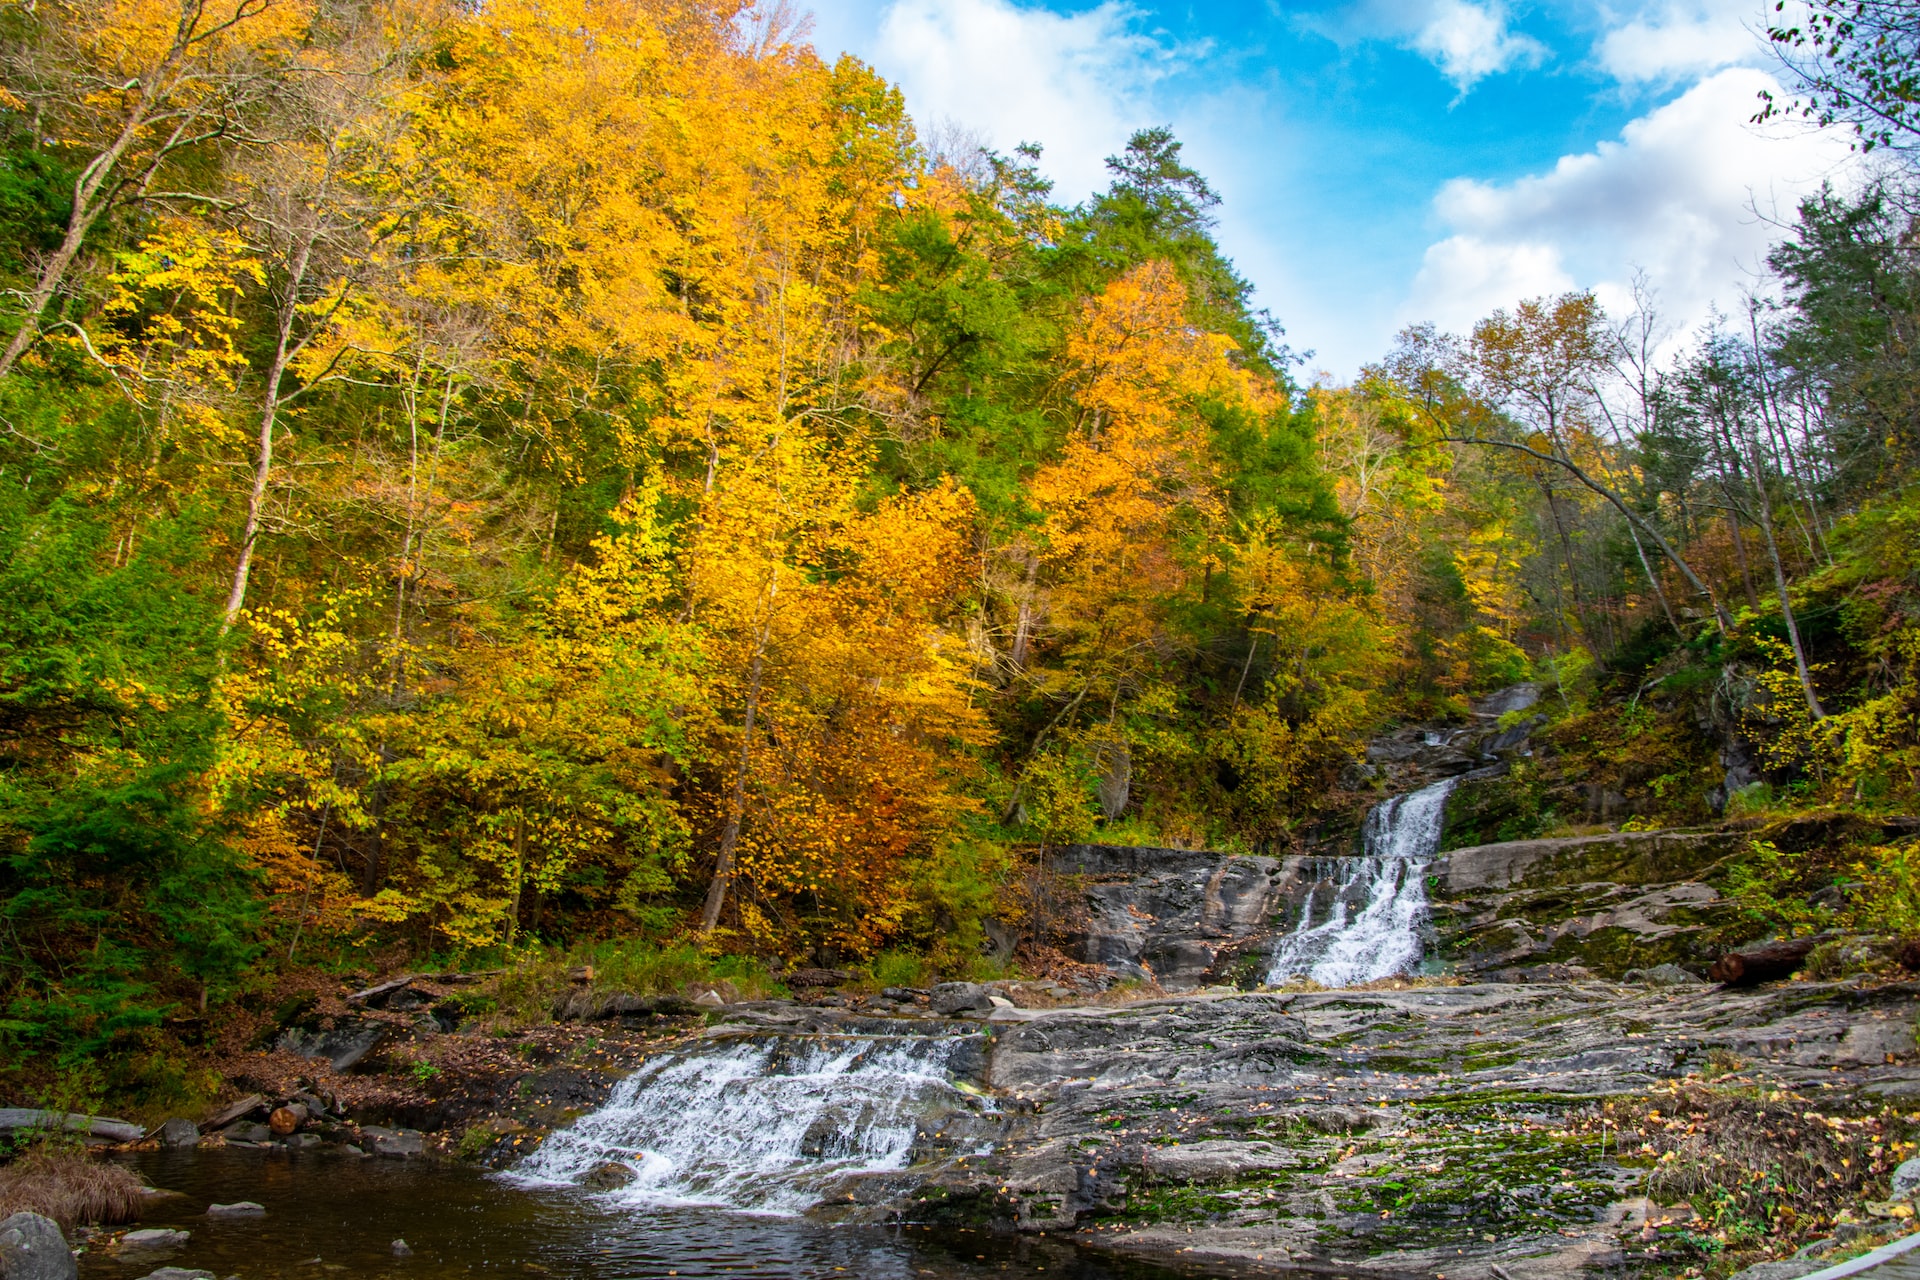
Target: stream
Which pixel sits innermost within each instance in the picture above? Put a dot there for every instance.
(338, 1216)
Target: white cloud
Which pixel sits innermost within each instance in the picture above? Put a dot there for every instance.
(1674, 196)
(1079, 84)
(1470, 42)
(1676, 38)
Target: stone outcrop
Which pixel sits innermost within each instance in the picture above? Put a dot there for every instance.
(1370, 1132)
(1604, 903)
(32, 1248)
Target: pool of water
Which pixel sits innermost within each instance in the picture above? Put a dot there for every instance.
(329, 1215)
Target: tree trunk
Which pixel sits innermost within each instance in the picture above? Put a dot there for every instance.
(737, 801)
(1023, 625)
(519, 875)
(1780, 584)
(1653, 579)
(1740, 558)
(269, 418)
(1720, 615)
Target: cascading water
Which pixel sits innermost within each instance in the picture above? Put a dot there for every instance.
(1372, 929)
(762, 1124)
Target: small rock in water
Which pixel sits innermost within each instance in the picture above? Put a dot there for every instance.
(1665, 975)
(400, 1143)
(32, 1248)
(1906, 1180)
(238, 1209)
(400, 1249)
(609, 1175)
(179, 1273)
(154, 1238)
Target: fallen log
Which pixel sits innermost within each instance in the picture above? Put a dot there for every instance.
(234, 1111)
(15, 1119)
(1765, 962)
(377, 993)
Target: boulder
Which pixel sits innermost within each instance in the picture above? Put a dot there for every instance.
(32, 1248)
(179, 1133)
(608, 1175)
(1906, 1180)
(960, 997)
(342, 1047)
(238, 1209)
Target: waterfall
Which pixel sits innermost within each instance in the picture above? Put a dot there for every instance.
(1373, 927)
(762, 1124)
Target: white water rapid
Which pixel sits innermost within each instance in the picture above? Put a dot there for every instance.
(760, 1124)
(1372, 928)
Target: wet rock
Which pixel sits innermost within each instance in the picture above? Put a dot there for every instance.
(32, 1248)
(155, 1238)
(950, 998)
(609, 1175)
(179, 1273)
(400, 1144)
(400, 1249)
(179, 1133)
(1168, 915)
(303, 1141)
(238, 1209)
(248, 1133)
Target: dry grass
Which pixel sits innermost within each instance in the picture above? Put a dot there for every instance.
(1761, 1167)
(66, 1185)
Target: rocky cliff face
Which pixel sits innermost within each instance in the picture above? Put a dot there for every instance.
(1381, 1133)
(1599, 905)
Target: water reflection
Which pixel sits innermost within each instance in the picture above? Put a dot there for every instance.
(336, 1216)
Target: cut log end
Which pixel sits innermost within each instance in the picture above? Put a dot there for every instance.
(1766, 962)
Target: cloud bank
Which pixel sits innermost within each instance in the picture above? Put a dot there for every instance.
(1689, 193)
(1078, 83)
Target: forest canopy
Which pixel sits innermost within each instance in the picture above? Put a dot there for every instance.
(478, 478)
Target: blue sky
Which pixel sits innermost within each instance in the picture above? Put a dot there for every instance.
(1385, 161)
